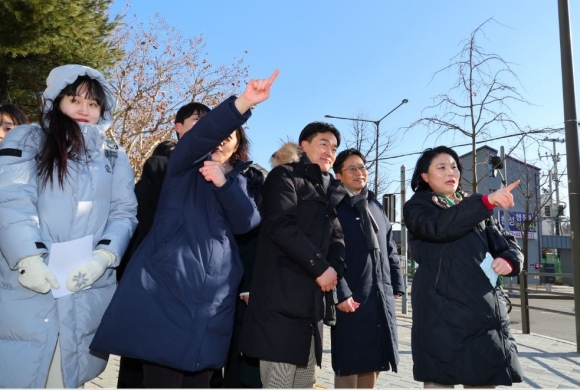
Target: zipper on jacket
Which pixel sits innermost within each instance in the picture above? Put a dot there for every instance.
(438, 271)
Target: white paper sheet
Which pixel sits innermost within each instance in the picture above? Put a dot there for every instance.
(488, 270)
(67, 256)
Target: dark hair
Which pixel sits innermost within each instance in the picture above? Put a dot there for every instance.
(17, 115)
(188, 110)
(422, 166)
(164, 148)
(242, 152)
(63, 137)
(312, 129)
(341, 158)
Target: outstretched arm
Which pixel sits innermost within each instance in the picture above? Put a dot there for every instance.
(217, 125)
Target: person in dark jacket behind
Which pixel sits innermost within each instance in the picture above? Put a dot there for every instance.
(460, 332)
(174, 307)
(300, 257)
(364, 339)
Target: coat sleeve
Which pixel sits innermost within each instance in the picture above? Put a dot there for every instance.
(20, 234)
(239, 208)
(210, 130)
(123, 210)
(513, 254)
(280, 220)
(397, 281)
(429, 223)
(336, 249)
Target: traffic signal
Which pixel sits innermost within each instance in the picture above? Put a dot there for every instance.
(495, 163)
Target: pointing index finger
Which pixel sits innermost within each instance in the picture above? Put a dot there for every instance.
(273, 77)
(513, 185)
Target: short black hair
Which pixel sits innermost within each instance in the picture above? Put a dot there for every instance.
(312, 129)
(188, 110)
(422, 167)
(18, 117)
(341, 158)
(164, 148)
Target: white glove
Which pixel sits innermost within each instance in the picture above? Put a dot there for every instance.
(86, 275)
(35, 275)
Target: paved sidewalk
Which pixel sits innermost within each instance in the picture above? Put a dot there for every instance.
(547, 363)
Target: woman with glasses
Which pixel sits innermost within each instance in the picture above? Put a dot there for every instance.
(364, 340)
(460, 331)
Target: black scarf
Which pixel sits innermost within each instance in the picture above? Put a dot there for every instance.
(368, 223)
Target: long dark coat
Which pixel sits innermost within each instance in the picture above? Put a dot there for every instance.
(460, 332)
(175, 304)
(300, 238)
(147, 190)
(366, 340)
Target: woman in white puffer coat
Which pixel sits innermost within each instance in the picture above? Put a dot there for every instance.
(60, 181)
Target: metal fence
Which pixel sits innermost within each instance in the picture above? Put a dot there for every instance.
(524, 297)
(523, 290)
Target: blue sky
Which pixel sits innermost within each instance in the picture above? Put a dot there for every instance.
(342, 57)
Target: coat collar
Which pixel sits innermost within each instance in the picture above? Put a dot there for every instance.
(94, 136)
(290, 153)
(338, 192)
(441, 202)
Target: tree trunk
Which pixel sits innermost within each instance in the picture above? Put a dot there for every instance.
(4, 76)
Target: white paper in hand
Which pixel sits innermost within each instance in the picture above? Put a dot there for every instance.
(488, 270)
(66, 257)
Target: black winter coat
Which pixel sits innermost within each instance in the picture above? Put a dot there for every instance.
(460, 332)
(300, 237)
(147, 191)
(366, 340)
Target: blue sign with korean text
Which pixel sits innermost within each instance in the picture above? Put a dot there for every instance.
(517, 222)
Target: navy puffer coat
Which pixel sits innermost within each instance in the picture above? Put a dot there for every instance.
(175, 305)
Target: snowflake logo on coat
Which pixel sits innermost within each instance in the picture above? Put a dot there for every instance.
(80, 280)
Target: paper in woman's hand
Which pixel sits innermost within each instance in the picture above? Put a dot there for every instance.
(67, 256)
(488, 270)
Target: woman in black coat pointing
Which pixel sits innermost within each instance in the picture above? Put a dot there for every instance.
(460, 331)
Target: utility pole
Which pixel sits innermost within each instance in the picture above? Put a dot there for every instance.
(550, 205)
(554, 177)
(506, 216)
(572, 150)
(403, 255)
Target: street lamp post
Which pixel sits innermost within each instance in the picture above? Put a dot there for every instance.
(377, 124)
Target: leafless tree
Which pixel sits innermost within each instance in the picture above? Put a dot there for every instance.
(160, 72)
(479, 101)
(362, 136)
